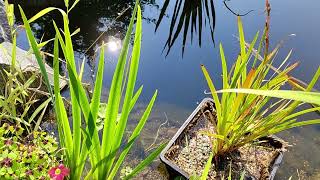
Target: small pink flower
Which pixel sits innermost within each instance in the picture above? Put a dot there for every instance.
(58, 172)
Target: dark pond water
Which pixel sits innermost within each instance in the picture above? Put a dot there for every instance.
(170, 61)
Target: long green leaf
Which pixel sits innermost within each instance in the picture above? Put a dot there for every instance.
(133, 136)
(36, 51)
(63, 121)
(214, 94)
(309, 97)
(145, 162)
(131, 81)
(207, 168)
(79, 99)
(115, 97)
(41, 14)
(39, 108)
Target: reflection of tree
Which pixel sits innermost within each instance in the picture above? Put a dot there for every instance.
(188, 14)
(92, 17)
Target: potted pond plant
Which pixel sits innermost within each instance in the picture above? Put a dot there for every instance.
(234, 132)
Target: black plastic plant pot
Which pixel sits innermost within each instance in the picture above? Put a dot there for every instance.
(204, 117)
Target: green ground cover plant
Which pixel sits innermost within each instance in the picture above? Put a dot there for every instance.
(30, 157)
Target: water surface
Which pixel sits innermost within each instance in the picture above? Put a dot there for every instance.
(172, 64)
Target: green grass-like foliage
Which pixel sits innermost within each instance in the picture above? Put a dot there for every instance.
(20, 91)
(26, 158)
(82, 143)
(18, 98)
(243, 118)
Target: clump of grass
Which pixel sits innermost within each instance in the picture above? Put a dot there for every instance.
(20, 100)
(82, 142)
(20, 103)
(243, 118)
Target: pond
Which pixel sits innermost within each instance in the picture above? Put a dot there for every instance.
(170, 59)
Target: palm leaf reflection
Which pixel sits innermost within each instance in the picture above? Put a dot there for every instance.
(190, 14)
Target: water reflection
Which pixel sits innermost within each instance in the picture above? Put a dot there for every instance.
(98, 21)
(114, 44)
(190, 15)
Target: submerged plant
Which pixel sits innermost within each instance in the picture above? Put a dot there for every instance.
(243, 118)
(82, 142)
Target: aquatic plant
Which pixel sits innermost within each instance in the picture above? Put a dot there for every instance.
(243, 118)
(83, 142)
